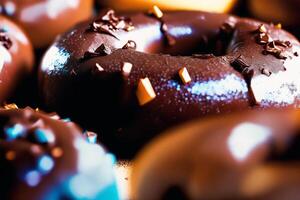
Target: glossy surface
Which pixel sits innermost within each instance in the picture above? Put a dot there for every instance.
(43, 20)
(247, 155)
(16, 62)
(70, 81)
(43, 158)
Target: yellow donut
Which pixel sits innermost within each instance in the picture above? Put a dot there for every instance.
(218, 6)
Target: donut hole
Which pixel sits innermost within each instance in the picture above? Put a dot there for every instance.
(174, 193)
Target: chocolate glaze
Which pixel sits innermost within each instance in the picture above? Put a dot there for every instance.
(16, 57)
(72, 83)
(43, 157)
(247, 155)
(43, 20)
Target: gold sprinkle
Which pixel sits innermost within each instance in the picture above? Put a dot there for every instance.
(37, 109)
(279, 26)
(184, 75)
(126, 69)
(262, 28)
(10, 155)
(130, 28)
(145, 92)
(10, 106)
(155, 10)
(99, 67)
(57, 152)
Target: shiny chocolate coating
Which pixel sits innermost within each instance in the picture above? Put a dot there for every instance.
(43, 20)
(247, 155)
(81, 73)
(16, 57)
(43, 157)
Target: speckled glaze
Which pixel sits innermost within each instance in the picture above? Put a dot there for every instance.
(106, 100)
(43, 20)
(43, 158)
(247, 155)
(16, 62)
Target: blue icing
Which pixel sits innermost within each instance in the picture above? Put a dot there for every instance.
(32, 178)
(45, 164)
(95, 178)
(14, 132)
(110, 193)
(40, 136)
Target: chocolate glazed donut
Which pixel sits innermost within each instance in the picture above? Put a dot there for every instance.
(43, 20)
(248, 155)
(114, 75)
(16, 57)
(42, 158)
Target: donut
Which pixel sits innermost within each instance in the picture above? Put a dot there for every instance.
(246, 155)
(218, 6)
(42, 157)
(140, 74)
(43, 20)
(285, 12)
(16, 57)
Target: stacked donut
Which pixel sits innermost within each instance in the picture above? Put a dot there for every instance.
(227, 88)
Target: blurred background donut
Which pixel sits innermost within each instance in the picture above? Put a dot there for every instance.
(16, 57)
(204, 5)
(43, 157)
(45, 19)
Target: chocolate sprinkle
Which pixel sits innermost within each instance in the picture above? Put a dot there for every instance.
(285, 44)
(240, 65)
(130, 45)
(109, 23)
(272, 46)
(102, 50)
(263, 38)
(5, 40)
(266, 72)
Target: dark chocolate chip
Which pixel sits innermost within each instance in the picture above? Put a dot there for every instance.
(5, 40)
(240, 65)
(130, 45)
(266, 72)
(102, 50)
